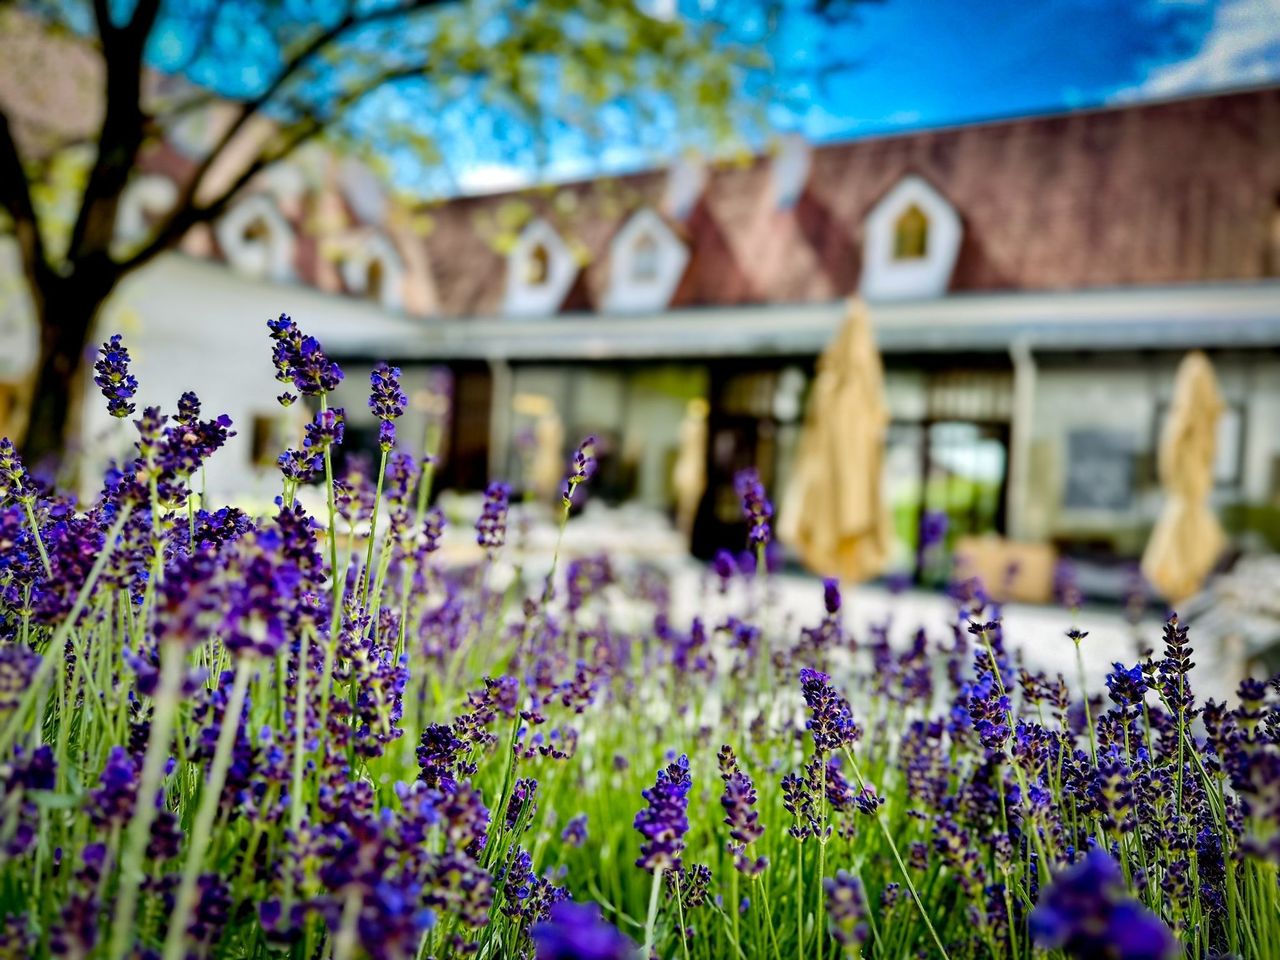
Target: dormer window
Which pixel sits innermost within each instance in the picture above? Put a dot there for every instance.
(538, 265)
(143, 200)
(911, 239)
(374, 280)
(644, 259)
(372, 269)
(256, 239)
(646, 262)
(911, 235)
(255, 231)
(540, 271)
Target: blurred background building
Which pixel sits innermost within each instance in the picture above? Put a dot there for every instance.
(1032, 284)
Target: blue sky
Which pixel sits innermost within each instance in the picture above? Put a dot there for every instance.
(925, 63)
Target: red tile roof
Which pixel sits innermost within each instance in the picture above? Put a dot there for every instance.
(1161, 193)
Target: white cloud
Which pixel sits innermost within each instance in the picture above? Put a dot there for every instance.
(492, 178)
(1242, 48)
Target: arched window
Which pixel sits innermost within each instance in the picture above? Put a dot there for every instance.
(644, 259)
(256, 231)
(375, 279)
(538, 265)
(911, 235)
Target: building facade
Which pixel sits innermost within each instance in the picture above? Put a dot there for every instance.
(1032, 283)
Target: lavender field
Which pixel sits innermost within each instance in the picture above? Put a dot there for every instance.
(225, 735)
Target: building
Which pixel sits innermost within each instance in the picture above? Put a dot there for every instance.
(1033, 284)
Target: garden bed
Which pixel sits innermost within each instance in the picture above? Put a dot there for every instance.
(228, 736)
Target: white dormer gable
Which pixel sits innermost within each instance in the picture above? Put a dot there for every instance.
(686, 179)
(789, 172)
(256, 239)
(147, 196)
(373, 269)
(646, 262)
(540, 270)
(911, 241)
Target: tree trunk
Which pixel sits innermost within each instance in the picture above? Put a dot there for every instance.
(66, 309)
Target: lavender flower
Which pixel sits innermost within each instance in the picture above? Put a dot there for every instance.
(582, 466)
(664, 822)
(738, 801)
(755, 506)
(1127, 687)
(1066, 585)
(113, 378)
(18, 665)
(491, 528)
(325, 430)
(387, 401)
(1086, 912)
(830, 718)
(831, 596)
(574, 931)
(575, 831)
(300, 466)
(933, 529)
(846, 911)
(14, 481)
(301, 359)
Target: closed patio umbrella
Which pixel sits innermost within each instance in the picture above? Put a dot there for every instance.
(689, 473)
(833, 513)
(546, 472)
(1187, 539)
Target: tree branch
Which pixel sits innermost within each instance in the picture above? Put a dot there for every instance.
(102, 19)
(15, 196)
(305, 130)
(144, 18)
(121, 133)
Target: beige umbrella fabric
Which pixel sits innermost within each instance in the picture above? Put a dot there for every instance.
(833, 514)
(546, 471)
(689, 473)
(1187, 539)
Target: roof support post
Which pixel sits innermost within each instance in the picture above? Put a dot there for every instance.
(1022, 424)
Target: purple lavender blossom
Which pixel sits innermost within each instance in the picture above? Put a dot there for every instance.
(831, 596)
(665, 821)
(576, 931)
(113, 378)
(575, 831)
(188, 409)
(325, 430)
(387, 401)
(14, 481)
(724, 567)
(846, 910)
(1087, 913)
(582, 466)
(738, 801)
(831, 720)
(933, 529)
(755, 506)
(1066, 585)
(491, 528)
(300, 466)
(301, 359)
(1126, 687)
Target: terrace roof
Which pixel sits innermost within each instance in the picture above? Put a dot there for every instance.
(1165, 318)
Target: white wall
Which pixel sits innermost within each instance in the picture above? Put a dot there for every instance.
(1125, 399)
(193, 325)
